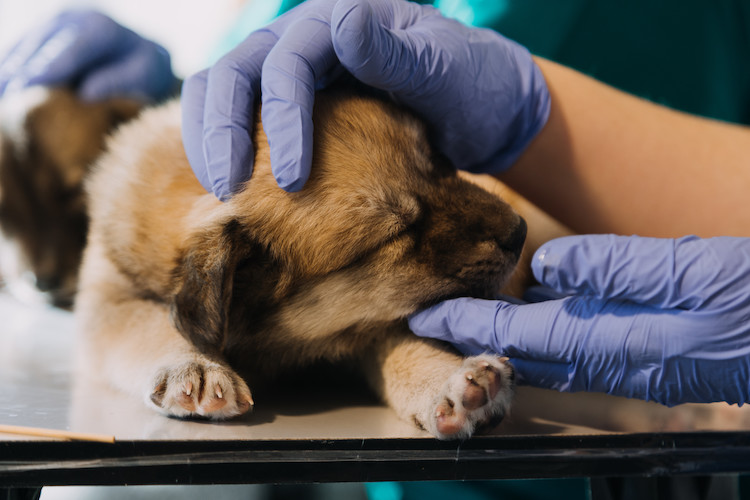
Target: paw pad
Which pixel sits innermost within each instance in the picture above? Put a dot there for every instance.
(200, 389)
(477, 395)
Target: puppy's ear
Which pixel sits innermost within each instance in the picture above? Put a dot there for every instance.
(204, 283)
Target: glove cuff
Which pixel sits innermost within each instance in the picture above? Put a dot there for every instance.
(530, 118)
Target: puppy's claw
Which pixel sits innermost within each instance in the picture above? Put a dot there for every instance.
(246, 404)
(200, 389)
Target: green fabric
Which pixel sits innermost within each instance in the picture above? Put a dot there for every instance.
(688, 54)
(513, 489)
(692, 55)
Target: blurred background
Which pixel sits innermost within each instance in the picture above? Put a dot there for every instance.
(191, 30)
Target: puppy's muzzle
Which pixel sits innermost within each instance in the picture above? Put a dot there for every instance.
(515, 241)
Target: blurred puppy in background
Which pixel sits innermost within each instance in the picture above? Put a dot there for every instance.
(48, 141)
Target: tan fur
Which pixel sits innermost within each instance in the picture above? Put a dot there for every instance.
(181, 293)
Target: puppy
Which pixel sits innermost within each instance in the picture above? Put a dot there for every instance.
(185, 300)
(48, 140)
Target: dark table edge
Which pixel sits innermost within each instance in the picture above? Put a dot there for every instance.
(49, 463)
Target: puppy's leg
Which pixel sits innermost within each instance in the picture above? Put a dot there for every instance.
(132, 344)
(440, 391)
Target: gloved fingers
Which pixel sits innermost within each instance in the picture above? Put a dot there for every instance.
(309, 8)
(374, 49)
(549, 331)
(28, 62)
(572, 344)
(193, 97)
(231, 92)
(302, 56)
(608, 266)
(680, 273)
(467, 323)
(544, 374)
(541, 293)
(620, 381)
(71, 52)
(558, 331)
(144, 74)
(541, 340)
(87, 48)
(80, 39)
(13, 66)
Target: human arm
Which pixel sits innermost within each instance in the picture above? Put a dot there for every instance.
(607, 161)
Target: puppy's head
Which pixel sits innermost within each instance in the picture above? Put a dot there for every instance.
(383, 227)
(48, 140)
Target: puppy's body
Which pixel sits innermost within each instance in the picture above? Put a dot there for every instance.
(180, 293)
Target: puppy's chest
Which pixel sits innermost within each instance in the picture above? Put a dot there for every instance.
(275, 321)
(272, 347)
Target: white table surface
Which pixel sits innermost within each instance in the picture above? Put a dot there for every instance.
(39, 387)
(324, 435)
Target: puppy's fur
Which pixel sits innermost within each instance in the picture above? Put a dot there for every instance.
(272, 281)
(48, 140)
(184, 299)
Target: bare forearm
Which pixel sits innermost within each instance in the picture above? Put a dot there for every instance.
(610, 162)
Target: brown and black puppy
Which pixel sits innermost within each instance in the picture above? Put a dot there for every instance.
(184, 300)
(48, 140)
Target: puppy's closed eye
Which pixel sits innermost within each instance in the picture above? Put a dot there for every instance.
(392, 213)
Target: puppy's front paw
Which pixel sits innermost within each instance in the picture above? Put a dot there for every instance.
(476, 396)
(200, 389)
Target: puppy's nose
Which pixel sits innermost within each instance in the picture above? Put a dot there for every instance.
(514, 242)
(47, 283)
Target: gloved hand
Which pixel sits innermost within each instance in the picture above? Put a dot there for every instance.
(89, 51)
(482, 94)
(656, 319)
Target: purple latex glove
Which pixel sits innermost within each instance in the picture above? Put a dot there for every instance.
(656, 319)
(482, 94)
(89, 51)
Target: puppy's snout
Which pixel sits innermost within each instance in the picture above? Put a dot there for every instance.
(514, 242)
(48, 283)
